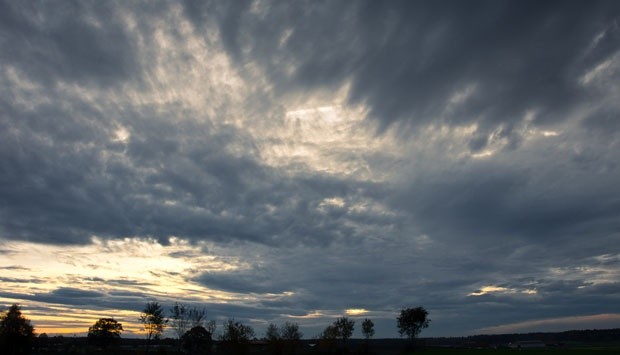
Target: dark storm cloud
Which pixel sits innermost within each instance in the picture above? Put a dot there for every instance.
(406, 60)
(76, 297)
(240, 312)
(69, 41)
(510, 310)
(336, 279)
(63, 295)
(60, 188)
(66, 190)
(519, 199)
(68, 292)
(240, 282)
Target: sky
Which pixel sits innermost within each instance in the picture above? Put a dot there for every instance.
(278, 161)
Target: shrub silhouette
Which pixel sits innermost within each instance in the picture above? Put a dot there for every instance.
(197, 340)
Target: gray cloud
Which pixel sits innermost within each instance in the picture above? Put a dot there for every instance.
(14, 267)
(528, 199)
(241, 282)
(66, 41)
(20, 280)
(63, 295)
(514, 57)
(69, 192)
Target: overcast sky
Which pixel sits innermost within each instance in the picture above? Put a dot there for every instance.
(298, 161)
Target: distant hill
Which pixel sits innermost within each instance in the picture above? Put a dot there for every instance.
(571, 337)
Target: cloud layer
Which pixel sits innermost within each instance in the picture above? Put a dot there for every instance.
(295, 161)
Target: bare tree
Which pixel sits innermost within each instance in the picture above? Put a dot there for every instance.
(197, 317)
(179, 317)
(153, 321)
(184, 318)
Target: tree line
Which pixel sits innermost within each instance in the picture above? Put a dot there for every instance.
(195, 333)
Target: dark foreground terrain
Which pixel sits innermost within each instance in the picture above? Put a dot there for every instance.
(426, 351)
(597, 342)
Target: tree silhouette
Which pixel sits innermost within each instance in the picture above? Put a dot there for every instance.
(272, 333)
(344, 327)
(184, 318)
(198, 317)
(368, 329)
(105, 332)
(236, 337)
(291, 336)
(153, 321)
(179, 317)
(16, 332)
(411, 322)
(274, 339)
(285, 338)
(328, 337)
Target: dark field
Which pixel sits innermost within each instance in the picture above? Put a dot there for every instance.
(597, 342)
(583, 350)
(575, 351)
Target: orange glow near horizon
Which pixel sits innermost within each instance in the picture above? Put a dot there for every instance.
(62, 320)
(47, 280)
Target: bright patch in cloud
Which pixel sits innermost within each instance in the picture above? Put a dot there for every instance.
(331, 202)
(121, 134)
(501, 290)
(356, 311)
(488, 289)
(602, 70)
(483, 154)
(550, 133)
